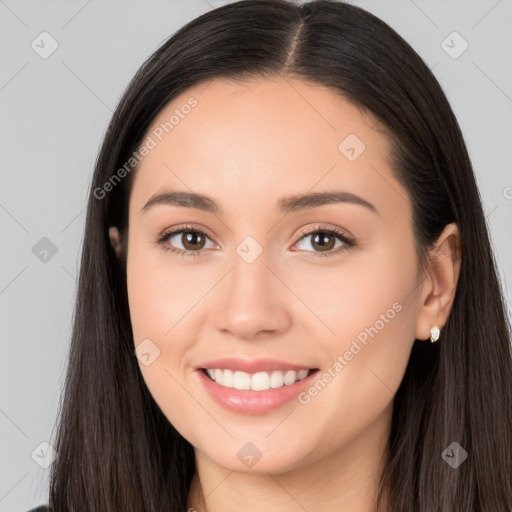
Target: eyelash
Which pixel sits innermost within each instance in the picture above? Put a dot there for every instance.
(318, 229)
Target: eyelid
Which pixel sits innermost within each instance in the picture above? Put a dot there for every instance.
(187, 227)
(322, 227)
(162, 238)
(347, 239)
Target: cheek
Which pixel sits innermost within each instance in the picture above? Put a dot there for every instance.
(366, 296)
(365, 366)
(159, 297)
(369, 307)
(161, 292)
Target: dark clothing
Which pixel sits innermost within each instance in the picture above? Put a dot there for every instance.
(41, 508)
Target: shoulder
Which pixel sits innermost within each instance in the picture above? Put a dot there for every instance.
(41, 508)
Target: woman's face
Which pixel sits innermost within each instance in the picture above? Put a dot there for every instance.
(265, 287)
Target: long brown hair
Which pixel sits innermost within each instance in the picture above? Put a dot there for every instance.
(117, 451)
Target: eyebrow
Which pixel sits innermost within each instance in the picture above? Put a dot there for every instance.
(285, 205)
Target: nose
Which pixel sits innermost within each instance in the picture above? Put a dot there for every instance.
(252, 302)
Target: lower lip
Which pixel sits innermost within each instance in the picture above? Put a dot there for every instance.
(254, 402)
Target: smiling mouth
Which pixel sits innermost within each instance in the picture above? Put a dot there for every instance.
(259, 381)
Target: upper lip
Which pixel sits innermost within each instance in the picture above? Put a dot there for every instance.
(252, 366)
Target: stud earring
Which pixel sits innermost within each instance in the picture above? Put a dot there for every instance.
(434, 333)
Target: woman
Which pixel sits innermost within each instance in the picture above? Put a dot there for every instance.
(287, 297)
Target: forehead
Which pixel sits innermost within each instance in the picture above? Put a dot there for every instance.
(246, 142)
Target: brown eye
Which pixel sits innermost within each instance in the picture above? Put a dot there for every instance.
(186, 242)
(193, 240)
(323, 241)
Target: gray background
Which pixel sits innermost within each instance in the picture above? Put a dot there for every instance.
(54, 114)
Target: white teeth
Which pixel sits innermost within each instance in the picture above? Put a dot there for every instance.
(228, 378)
(242, 380)
(217, 375)
(290, 377)
(260, 381)
(276, 379)
(302, 374)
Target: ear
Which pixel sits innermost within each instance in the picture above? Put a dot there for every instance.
(440, 284)
(115, 241)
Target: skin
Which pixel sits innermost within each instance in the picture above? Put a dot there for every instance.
(247, 145)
